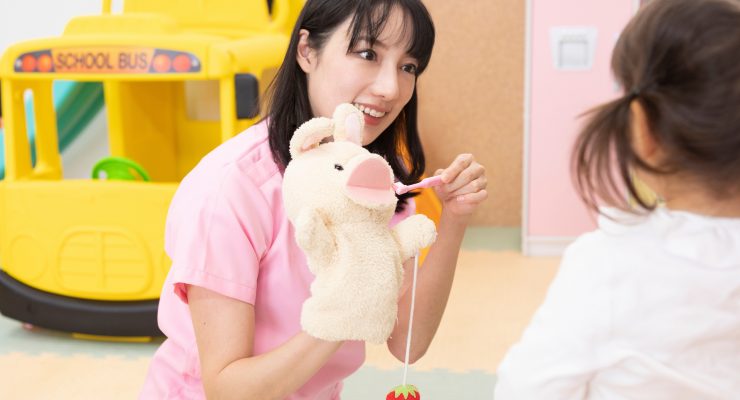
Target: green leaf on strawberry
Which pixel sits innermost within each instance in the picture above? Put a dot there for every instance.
(404, 392)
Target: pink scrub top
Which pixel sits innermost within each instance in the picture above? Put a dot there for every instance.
(227, 231)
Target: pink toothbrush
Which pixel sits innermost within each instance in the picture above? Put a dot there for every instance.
(400, 188)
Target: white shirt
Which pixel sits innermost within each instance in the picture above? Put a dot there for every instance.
(642, 308)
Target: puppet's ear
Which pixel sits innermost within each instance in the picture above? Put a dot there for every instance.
(349, 122)
(309, 135)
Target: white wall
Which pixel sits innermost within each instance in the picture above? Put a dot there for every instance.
(31, 19)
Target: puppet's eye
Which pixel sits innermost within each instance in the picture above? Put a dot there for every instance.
(338, 167)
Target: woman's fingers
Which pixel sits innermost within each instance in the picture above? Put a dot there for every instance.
(472, 178)
(472, 198)
(463, 185)
(474, 186)
(461, 162)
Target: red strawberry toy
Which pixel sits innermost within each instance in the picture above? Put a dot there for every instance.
(404, 392)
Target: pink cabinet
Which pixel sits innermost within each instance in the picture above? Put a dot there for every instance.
(569, 45)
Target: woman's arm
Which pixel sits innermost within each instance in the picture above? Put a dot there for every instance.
(434, 283)
(224, 331)
(463, 190)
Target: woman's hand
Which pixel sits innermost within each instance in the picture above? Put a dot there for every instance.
(462, 190)
(464, 186)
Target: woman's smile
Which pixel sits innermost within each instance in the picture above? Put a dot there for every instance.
(373, 115)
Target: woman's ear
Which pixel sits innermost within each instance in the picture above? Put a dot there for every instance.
(305, 53)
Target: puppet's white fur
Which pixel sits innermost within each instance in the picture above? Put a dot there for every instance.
(356, 258)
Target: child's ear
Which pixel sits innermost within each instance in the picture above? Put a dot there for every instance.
(305, 53)
(643, 141)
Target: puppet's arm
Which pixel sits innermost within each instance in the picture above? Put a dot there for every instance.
(315, 238)
(413, 234)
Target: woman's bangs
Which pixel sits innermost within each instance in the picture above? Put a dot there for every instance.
(370, 20)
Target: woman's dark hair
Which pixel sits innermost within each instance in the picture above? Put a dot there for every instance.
(289, 106)
(680, 59)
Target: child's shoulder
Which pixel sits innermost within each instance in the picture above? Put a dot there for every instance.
(664, 223)
(694, 238)
(617, 234)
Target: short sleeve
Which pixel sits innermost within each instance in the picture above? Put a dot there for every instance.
(217, 233)
(559, 351)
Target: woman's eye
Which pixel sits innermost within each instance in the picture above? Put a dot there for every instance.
(410, 68)
(338, 167)
(367, 55)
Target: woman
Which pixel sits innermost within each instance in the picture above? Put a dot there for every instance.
(233, 318)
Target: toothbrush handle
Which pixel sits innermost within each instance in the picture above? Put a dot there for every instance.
(426, 182)
(432, 181)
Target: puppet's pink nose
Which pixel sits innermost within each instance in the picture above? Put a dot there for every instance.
(371, 181)
(371, 173)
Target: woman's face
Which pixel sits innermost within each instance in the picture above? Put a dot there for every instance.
(378, 80)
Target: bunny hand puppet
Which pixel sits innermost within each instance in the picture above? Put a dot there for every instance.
(340, 200)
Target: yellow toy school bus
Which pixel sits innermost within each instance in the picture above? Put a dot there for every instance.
(179, 77)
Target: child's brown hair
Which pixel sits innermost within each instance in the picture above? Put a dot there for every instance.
(681, 60)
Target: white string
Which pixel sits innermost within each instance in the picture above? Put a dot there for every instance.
(411, 320)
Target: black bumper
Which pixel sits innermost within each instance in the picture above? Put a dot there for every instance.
(46, 310)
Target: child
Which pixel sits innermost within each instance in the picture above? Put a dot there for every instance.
(648, 305)
(231, 304)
